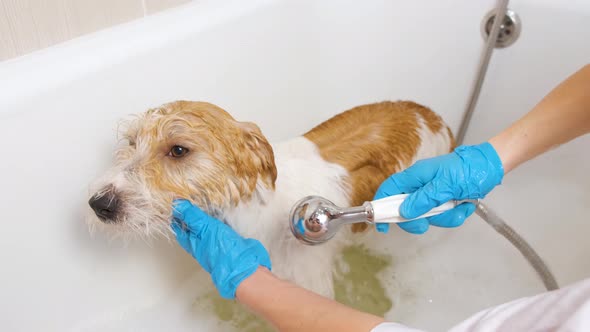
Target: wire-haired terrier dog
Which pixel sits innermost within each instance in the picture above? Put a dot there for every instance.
(197, 151)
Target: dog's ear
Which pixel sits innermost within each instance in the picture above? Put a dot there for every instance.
(262, 153)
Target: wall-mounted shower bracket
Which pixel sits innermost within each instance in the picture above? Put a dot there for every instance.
(509, 28)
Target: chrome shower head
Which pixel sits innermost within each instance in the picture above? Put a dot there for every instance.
(314, 220)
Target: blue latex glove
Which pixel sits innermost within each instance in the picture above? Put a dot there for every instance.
(470, 172)
(228, 257)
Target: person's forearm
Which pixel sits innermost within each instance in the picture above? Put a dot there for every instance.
(292, 308)
(561, 116)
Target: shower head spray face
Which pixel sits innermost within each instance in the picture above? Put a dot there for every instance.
(310, 220)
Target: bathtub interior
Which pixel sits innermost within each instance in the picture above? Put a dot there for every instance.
(286, 65)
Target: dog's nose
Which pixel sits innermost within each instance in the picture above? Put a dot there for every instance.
(105, 206)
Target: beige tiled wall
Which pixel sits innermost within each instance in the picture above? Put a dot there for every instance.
(28, 25)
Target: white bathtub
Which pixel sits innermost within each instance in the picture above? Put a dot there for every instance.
(285, 65)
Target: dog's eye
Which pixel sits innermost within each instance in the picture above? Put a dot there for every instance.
(178, 151)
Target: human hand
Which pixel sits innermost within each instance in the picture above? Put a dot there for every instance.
(224, 254)
(470, 172)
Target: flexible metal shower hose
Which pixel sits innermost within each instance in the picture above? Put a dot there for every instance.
(482, 210)
(525, 249)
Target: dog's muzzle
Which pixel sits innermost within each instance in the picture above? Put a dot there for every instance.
(105, 205)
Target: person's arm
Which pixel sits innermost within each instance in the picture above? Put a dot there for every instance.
(471, 172)
(292, 308)
(239, 269)
(561, 116)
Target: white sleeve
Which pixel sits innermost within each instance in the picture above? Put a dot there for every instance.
(563, 310)
(393, 327)
(566, 309)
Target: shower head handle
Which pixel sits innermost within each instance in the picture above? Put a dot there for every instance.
(387, 210)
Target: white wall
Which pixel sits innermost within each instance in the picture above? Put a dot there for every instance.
(285, 65)
(29, 25)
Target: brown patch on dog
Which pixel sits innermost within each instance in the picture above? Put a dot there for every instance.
(226, 158)
(372, 142)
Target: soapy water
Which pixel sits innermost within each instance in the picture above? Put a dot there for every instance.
(231, 314)
(358, 280)
(196, 305)
(356, 284)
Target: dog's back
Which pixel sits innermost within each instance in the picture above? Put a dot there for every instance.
(374, 141)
